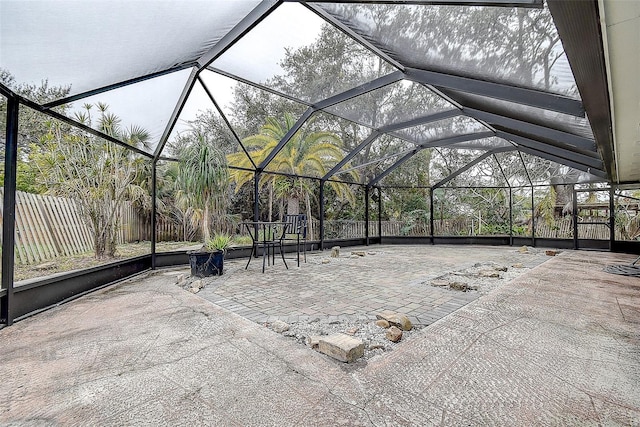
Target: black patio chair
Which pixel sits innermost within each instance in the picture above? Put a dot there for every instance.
(296, 231)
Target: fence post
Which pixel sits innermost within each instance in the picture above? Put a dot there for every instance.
(9, 207)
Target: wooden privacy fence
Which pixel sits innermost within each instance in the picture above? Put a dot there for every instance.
(48, 227)
(562, 228)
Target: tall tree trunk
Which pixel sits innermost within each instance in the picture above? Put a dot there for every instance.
(184, 228)
(309, 222)
(547, 72)
(206, 233)
(99, 232)
(98, 244)
(112, 239)
(293, 205)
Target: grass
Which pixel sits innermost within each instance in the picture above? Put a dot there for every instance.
(87, 260)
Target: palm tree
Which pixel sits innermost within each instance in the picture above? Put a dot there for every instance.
(311, 153)
(97, 174)
(203, 182)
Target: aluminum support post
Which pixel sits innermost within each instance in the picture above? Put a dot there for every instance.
(322, 214)
(9, 207)
(380, 214)
(154, 221)
(431, 215)
(510, 217)
(612, 217)
(366, 215)
(256, 208)
(533, 219)
(575, 217)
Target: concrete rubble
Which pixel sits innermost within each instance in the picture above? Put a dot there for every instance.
(341, 347)
(394, 334)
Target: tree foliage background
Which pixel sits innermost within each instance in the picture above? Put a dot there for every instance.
(507, 44)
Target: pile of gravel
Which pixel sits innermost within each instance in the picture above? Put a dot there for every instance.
(482, 277)
(375, 342)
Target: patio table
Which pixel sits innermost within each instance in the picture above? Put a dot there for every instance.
(266, 235)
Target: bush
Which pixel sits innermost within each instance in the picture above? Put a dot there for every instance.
(219, 242)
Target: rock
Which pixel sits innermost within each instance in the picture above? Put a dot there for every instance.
(197, 284)
(489, 273)
(382, 323)
(279, 326)
(341, 347)
(394, 334)
(194, 290)
(500, 268)
(180, 279)
(457, 286)
(550, 252)
(335, 252)
(385, 314)
(518, 265)
(440, 283)
(326, 261)
(313, 341)
(376, 346)
(352, 331)
(358, 253)
(395, 319)
(524, 250)
(372, 253)
(401, 321)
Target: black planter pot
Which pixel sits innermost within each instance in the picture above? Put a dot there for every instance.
(204, 264)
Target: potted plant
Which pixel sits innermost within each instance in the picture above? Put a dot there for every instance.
(209, 261)
(203, 186)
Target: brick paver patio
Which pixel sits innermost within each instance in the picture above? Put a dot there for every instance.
(355, 287)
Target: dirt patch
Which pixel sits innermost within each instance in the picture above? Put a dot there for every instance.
(88, 260)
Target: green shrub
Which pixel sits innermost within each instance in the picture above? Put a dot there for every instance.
(219, 242)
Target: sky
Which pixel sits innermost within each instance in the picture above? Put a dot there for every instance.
(89, 44)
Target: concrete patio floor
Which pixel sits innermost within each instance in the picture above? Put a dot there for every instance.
(558, 345)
